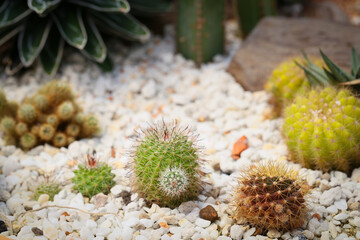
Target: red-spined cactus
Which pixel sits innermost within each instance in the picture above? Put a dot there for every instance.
(271, 196)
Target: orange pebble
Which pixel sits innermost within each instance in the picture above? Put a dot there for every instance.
(239, 146)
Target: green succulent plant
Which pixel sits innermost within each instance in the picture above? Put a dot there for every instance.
(43, 26)
(166, 164)
(331, 73)
(93, 177)
(49, 188)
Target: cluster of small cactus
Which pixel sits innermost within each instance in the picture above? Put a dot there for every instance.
(51, 116)
(93, 177)
(49, 188)
(166, 164)
(322, 129)
(286, 81)
(271, 196)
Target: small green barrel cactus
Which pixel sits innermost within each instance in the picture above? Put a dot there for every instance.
(90, 126)
(27, 113)
(93, 177)
(59, 139)
(57, 92)
(72, 130)
(166, 164)
(322, 130)
(200, 29)
(49, 188)
(53, 120)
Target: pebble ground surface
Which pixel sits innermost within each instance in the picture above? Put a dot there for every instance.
(151, 83)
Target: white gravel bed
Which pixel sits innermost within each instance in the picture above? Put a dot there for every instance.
(151, 83)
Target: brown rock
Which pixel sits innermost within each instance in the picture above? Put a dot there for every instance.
(126, 196)
(209, 213)
(275, 39)
(37, 231)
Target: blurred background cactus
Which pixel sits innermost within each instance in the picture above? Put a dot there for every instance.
(41, 27)
(200, 29)
(166, 164)
(322, 129)
(249, 13)
(50, 116)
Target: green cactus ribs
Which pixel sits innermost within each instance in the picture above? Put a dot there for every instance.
(166, 164)
(322, 129)
(271, 196)
(93, 177)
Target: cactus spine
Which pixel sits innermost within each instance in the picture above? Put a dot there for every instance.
(322, 130)
(200, 29)
(166, 164)
(271, 196)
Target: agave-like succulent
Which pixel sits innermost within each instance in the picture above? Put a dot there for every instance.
(43, 26)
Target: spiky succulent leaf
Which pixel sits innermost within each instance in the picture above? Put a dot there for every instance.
(355, 63)
(52, 52)
(107, 65)
(8, 33)
(41, 6)
(339, 73)
(105, 5)
(32, 39)
(145, 7)
(71, 26)
(13, 11)
(95, 48)
(123, 25)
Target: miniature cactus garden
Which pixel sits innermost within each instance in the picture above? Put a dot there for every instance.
(157, 140)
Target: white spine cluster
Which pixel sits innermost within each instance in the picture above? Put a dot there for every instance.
(174, 182)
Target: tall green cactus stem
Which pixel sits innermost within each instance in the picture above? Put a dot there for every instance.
(200, 29)
(322, 130)
(65, 110)
(27, 113)
(249, 13)
(93, 177)
(166, 164)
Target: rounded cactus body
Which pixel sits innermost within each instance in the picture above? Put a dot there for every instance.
(21, 128)
(46, 132)
(27, 113)
(72, 130)
(57, 92)
(3, 102)
(271, 196)
(28, 141)
(59, 139)
(93, 177)
(7, 125)
(90, 125)
(41, 102)
(53, 120)
(166, 164)
(322, 129)
(287, 80)
(65, 110)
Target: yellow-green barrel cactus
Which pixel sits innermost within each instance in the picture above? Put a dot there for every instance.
(322, 129)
